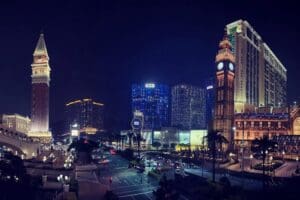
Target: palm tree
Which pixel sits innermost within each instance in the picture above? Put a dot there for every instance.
(139, 138)
(213, 138)
(263, 145)
(122, 141)
(130, 135)
(83, 148)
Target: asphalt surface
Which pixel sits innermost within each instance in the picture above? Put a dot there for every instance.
(125, 182)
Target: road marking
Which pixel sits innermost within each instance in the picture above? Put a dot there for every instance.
(130, 195)
(120, 167)
(148, 197)
(129, 191)
(146, 184)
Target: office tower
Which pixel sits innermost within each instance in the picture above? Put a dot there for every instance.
(210, 101)
(188, 107)
(40, 92)
(85, 113)
(260, 77)
(224, 103)
(153, 101)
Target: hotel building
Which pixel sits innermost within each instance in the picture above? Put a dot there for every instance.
(260, 77)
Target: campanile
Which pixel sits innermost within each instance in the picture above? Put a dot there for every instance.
(40, 92)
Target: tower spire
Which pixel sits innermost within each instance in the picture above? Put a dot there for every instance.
(41, 49)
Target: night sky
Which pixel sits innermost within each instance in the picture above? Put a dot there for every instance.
(99, 49)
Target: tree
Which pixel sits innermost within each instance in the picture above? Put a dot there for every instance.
(213, 138)
(83, 148)
(139, 138)
(263, 145)
(156, 145)
(130, 135)
(173, 146)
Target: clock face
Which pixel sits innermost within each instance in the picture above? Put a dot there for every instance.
(231, 67)
(220, 66)
(136, 123)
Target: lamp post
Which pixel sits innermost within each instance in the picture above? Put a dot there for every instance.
(297, 159)
(283, 153)
(271, 166)
(64, 180)
(251, 157)
(203, 148)
(242, 149)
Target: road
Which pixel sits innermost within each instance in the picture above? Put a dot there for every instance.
(126, 183)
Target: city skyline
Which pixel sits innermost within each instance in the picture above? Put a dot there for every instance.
(178, 52)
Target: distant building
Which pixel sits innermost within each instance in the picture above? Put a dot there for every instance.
(210, 101)
(261, 79)
(17, 123)
(87, 114)
(188, 107)
(153, 101)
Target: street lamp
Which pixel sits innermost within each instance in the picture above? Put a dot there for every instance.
(271, 166)
(64, 180)
(283, 153)
(297, 159)
(251, 157)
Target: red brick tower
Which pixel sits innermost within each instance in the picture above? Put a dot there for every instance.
(40, 92)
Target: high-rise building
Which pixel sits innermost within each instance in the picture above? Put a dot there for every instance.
(86, 114)
(153, 101)
(224, 85)
(210, 101)
(260, 77)
(40, 92)
(188, 107)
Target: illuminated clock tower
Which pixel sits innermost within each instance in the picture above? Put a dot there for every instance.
(40, 93)
(224, 102)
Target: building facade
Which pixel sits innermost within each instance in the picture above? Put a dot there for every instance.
(17, 123)
(153, 101)
(251, 126)
(188, 107)
(210, 102)
(87, 114)
(224, 87)
(40, 93)
(260, 77)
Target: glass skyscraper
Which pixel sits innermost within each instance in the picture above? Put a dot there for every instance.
(153, 101)
(188, 107)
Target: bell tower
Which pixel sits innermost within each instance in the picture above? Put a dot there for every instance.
(40, 93)
(224, 102)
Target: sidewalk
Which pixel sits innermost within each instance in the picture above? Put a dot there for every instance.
(284, 170)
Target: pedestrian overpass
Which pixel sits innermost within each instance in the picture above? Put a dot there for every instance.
(18, 142)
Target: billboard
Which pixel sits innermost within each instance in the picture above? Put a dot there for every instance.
(198, 137)
(184, 137)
